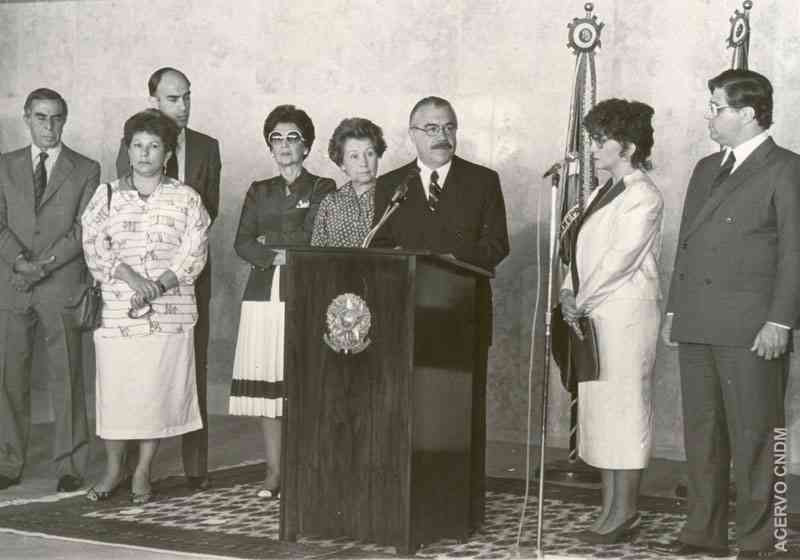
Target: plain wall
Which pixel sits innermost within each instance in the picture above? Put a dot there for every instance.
(504, 65)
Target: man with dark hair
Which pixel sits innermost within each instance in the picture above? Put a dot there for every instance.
(196, 162)
(453, 207)
(44, 189)
(732, 304)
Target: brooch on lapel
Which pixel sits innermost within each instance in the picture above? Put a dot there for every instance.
(348, 318)
(303, 204)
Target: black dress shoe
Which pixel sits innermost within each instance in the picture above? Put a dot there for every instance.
(69, 483)
(681, 549)
(198, 482)
(623, 533)
(5, 482)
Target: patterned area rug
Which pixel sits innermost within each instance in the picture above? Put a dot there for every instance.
(230, 520)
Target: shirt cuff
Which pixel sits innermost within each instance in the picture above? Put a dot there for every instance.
(779, 325)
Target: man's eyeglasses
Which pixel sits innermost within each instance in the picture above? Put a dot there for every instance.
(292, 137)
(714, 109)
(435, 129)
(140, 312)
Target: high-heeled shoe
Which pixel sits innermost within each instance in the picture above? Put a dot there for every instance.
(140, 499)
(623, 533)
(94, 495)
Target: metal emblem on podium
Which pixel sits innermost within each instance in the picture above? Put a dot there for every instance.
(349, 319)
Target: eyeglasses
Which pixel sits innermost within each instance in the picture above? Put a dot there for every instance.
(292, 137)
(435, 129)
(714, 109)
(140, 312)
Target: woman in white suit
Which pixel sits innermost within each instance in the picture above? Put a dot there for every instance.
(617, 246)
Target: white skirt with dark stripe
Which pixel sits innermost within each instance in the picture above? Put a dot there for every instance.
(257, 387)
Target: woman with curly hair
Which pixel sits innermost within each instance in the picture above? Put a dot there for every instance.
(345, 216)
(617, 243)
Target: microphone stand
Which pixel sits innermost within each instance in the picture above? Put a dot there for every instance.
(558, 182)
(386, 213)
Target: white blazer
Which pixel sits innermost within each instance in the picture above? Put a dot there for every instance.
(619, 245)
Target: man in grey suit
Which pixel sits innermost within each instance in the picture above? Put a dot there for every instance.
(44, 189)
(195, 162)
(734, 298)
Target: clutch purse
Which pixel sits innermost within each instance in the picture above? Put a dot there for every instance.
(88, 309)
(578, 360)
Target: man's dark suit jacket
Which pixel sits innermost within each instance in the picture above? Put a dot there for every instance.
(738, 256)
(470, 222)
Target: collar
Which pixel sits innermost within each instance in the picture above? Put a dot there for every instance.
(743, 150)
(52, 153)
(425, 172)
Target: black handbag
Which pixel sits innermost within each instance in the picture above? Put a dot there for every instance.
(88, 309)
(578, 360)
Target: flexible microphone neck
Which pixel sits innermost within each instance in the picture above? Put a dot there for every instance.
(398, 196)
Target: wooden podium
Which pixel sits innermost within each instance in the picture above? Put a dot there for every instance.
(377, 444)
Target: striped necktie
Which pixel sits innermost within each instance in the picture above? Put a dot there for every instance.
(434, 192)
(40, 179)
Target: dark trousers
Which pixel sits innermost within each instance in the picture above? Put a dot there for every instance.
(732, 401)
(62, 344)
(194, 445)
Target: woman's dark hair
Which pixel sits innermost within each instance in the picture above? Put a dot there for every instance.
(745, 88)
(355, 127)
(154, 122)
(290, 114)
(627, 122)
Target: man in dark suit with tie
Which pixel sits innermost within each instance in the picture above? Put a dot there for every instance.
(195, 162)
(734, 298)
(452, 207)
(44, 189)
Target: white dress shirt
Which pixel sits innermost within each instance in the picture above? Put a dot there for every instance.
(425, 175)
(52, 157)
(743, 150)
(180, 154)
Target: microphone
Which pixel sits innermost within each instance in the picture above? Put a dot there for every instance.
(402, 189)
(398, 196)
(554, 169)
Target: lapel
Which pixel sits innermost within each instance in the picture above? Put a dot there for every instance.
(611, 191)
(300, 190)
(22, 172)
(192, 162)
(415, 190)
(61, 170)
(746, 171)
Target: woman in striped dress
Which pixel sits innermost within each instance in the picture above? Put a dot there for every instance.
(145, 240)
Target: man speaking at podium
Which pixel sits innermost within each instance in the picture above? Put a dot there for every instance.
(452, 207)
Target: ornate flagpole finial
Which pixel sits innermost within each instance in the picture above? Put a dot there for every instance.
(584, 33)
(747, 5)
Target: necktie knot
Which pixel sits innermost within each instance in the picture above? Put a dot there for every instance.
(43, 156)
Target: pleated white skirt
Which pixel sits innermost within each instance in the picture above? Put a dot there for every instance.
(257, 386)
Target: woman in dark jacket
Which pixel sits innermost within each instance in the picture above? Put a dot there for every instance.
(277, 213)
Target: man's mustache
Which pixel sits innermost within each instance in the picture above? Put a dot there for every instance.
(442, 145)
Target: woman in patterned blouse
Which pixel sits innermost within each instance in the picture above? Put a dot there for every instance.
(345, 216)
(277, 213)
(144, 239)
